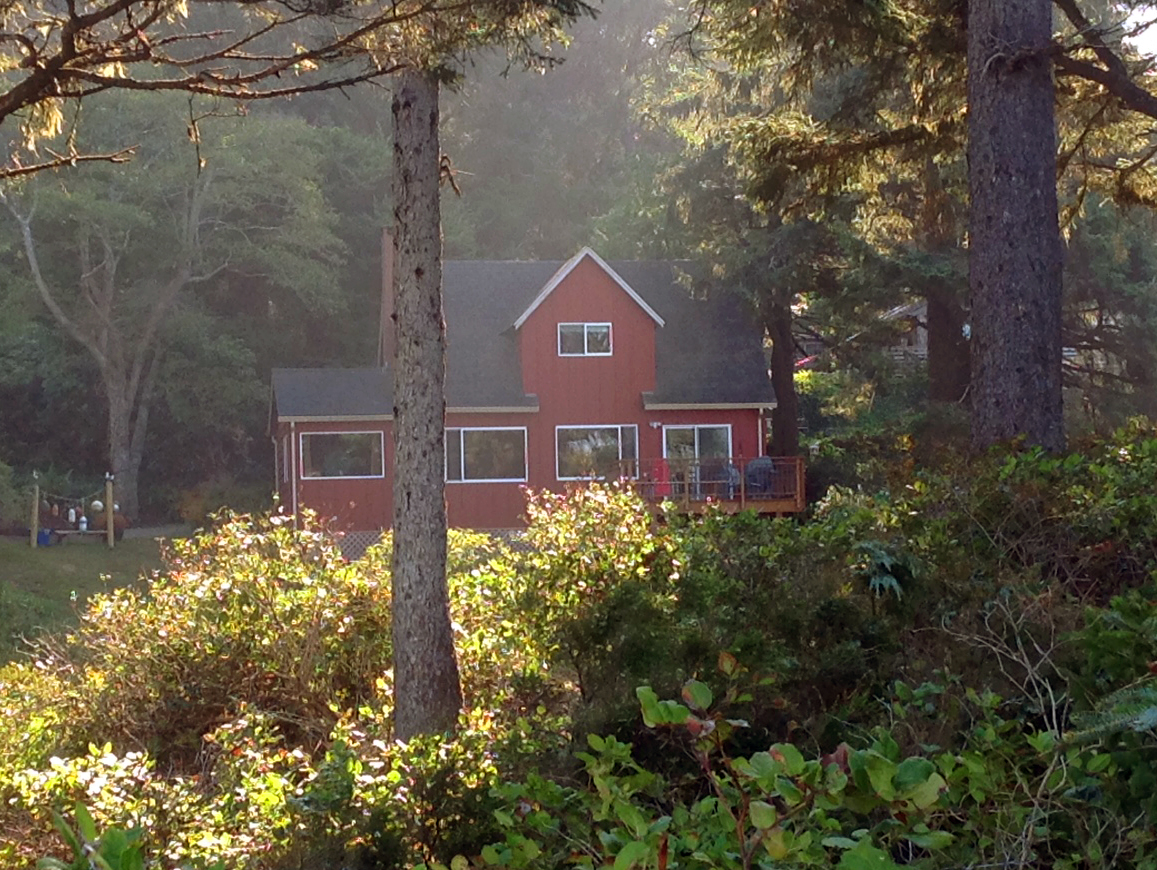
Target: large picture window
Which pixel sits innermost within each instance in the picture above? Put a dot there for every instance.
(486, 455)
(596, 452)
(341, 454)
(584, 339)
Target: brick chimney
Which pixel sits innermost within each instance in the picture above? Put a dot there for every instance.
(386, 340)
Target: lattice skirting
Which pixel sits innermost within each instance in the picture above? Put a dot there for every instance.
(354, 544)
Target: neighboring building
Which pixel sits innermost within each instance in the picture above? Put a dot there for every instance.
(557, 373)
(911, 344)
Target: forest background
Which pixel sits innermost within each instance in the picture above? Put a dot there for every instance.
(634, 145)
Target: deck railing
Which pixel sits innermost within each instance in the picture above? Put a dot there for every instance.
(769, 484)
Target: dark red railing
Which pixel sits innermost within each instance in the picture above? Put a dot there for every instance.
(769, 484)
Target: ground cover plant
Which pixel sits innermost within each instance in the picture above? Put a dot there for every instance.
(953, 671)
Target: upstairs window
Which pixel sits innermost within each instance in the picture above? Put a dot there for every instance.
(584, 339)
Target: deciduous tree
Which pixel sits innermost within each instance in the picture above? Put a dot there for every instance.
(112, 250)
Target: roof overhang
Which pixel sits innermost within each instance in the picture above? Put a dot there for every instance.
(568, 267)
(514, 409)
(369, 418)
(708, 406)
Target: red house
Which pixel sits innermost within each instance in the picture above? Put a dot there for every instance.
(557, 373)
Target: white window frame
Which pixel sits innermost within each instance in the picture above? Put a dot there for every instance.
(696, 427)
(462, 455)
(286, 460)
(586, 328)
(301, 454)
(619, 426)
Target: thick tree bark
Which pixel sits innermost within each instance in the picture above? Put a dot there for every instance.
(426, 686)
(785, 416)
(1014, 240)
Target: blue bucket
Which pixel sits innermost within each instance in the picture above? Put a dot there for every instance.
(43, 537)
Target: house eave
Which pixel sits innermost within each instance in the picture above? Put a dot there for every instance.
(337, 418)
(495, 409)
(568, 267)
(708, 406)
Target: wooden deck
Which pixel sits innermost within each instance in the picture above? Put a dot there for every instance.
(767, 485)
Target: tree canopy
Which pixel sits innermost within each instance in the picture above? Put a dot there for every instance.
(52, 56)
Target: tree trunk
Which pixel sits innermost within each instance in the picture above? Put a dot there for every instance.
(1014, 240)
(427, 694)
(785, 416)
(948, 367)
(120, 452)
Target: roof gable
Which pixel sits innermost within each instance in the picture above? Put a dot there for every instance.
(568, 267)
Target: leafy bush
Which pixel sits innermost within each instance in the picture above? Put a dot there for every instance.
(1007, 796)
(241, 710)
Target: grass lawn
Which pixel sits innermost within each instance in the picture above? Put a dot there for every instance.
(40, 589)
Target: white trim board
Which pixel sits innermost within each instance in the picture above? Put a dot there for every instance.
(712, 406)
(568, 267)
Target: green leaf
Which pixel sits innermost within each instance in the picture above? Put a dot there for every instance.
(913, 772)
(631, 818)
(763, 814)
(931, 840)
(491, 855)
(727, 663)
(697, 694)
(792, 757)
(1098, 763)
(880, 774)
(865, 856)
(788, 790)
(631, 854)
(649, 703)
(838, 843)
(927, 794)
(67, 834)
(84, 823)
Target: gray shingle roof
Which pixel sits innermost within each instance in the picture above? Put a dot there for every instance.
(332, 394)
(709, 352)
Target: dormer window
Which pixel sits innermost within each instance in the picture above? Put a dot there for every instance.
(584, 339)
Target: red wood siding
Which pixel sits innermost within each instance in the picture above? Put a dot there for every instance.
(353, 504)
(576, 390)
(489, 505)
(584, 390)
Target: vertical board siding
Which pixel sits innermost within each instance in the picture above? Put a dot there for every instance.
(351, 504)
(573, 390)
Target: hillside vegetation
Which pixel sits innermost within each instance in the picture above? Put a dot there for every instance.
(953, 671)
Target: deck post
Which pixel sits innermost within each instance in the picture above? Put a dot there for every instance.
(110, 522)
(742, 485)
(799, 483)
(34, 517)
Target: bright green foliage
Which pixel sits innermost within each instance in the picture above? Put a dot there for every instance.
(890, 682)
(115, 849)
(253, 611)
(1005, 794)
